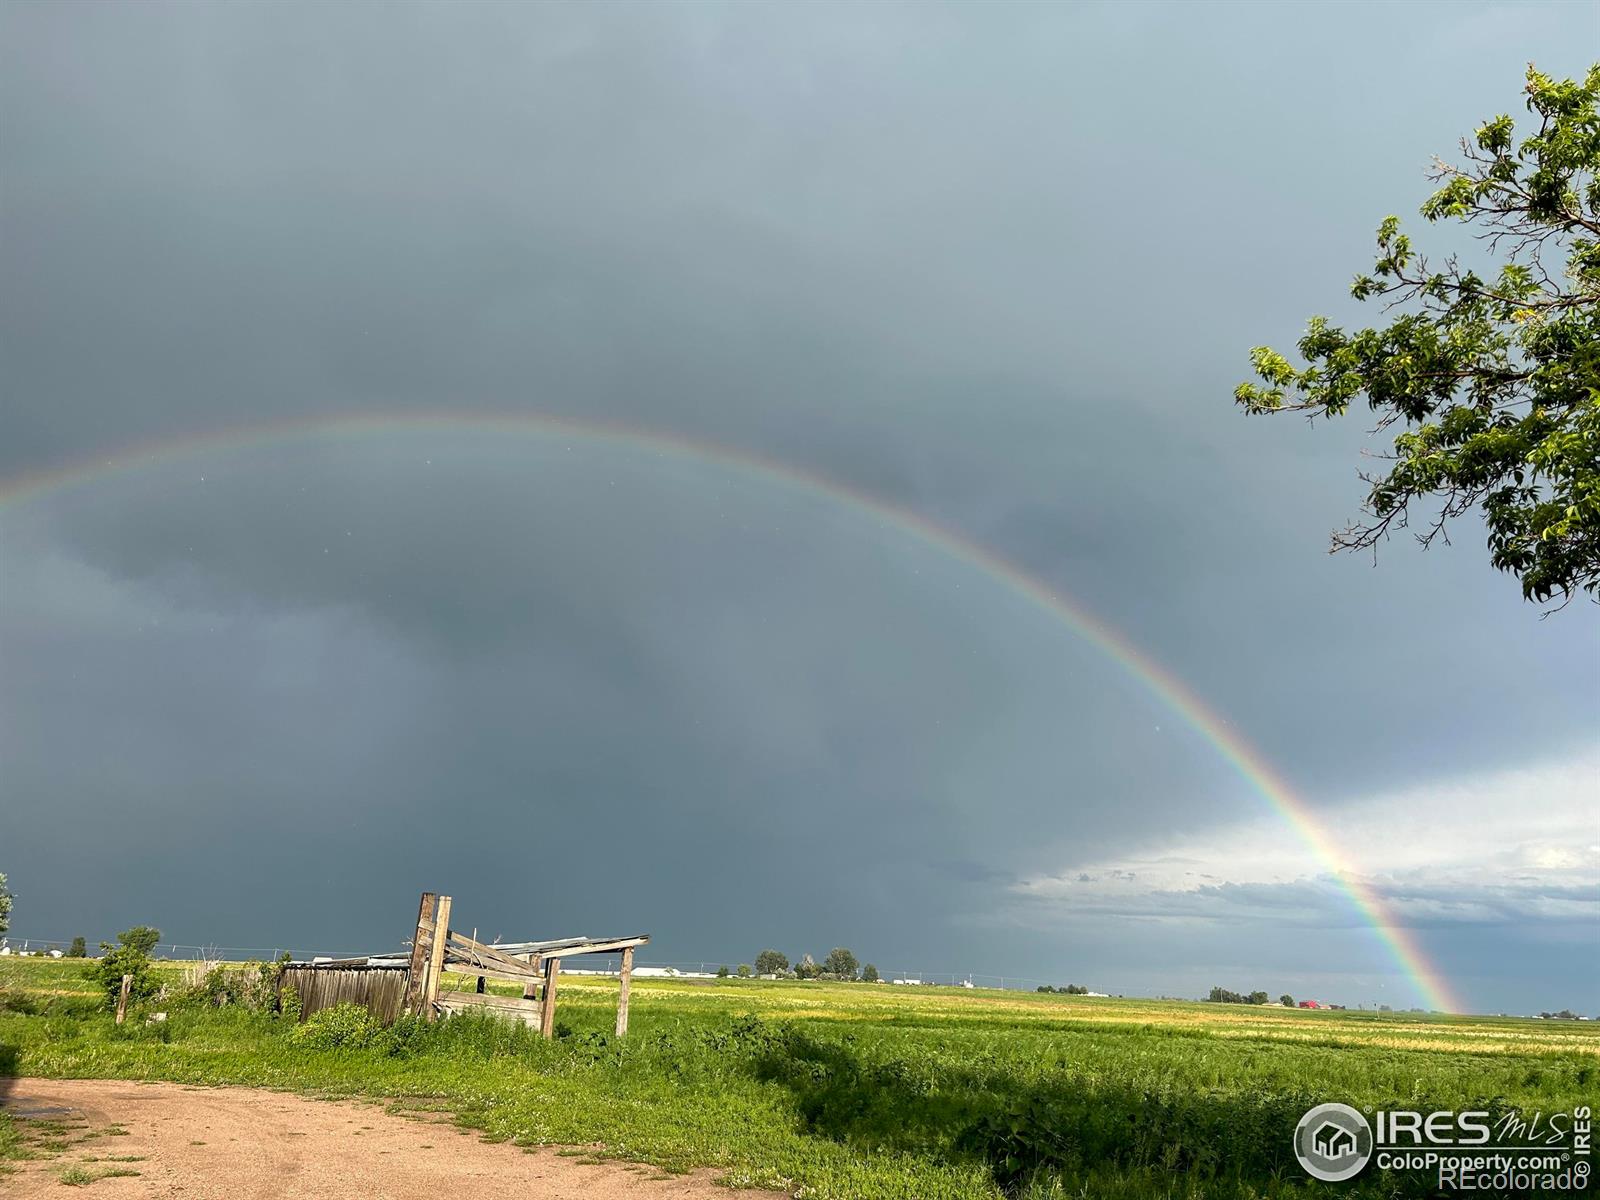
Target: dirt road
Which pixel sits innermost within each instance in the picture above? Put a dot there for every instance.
(243, 1144)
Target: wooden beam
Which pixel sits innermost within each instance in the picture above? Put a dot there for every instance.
(525, 1011)
(530, 990)
(547, 1014)
(421, 945)
(441, 928)
(461, 968)
(122, 998)
(622, 994)
(567, 947)
(465, 950)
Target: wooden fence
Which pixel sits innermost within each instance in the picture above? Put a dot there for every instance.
(379, 990)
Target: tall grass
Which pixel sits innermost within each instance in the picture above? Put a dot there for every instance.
(852, 1091)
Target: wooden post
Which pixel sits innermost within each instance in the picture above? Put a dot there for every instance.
(622, 993)
(122, 998)
(530, 990)
(421, 949)
(441, 935)
(547, 1012)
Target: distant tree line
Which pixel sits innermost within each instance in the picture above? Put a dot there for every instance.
(1072, 989)
(1224, 996)
(841, 964)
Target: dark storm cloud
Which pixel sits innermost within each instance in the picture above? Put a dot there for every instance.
(999, 265)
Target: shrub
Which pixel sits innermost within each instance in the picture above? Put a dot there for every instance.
(253, 985)
(745, 971)
(722, 971)
(130, 957)
(342, 1027)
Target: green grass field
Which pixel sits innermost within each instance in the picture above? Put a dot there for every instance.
(851, 1090)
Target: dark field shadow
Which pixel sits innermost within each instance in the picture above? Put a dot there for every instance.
(1019, 1127)
(10, 1060)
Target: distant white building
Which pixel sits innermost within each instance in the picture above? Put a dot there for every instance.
(908, 981)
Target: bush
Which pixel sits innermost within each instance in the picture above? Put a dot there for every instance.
(253, 985)
(744, 971)
(342, 1027)
(130, 957)
(722, 971)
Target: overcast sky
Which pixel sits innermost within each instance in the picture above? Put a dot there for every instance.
(1000, 266)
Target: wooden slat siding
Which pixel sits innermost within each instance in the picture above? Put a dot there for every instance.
(547, 1013)
(626, 977)
(421, 946)
(530, 990)
(525, 1011)
(441, 935)
(379, 990)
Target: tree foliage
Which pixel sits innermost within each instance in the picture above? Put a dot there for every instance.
(131, 956)
(869, 974)
(771, 962)
(840, 963)
(1493, 380)
(5, 906)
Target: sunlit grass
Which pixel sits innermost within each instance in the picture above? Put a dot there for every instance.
(867, 1091)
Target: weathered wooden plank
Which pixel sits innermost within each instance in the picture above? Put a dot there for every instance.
(500, 1006)
(622, 994)
(475, 953)
(441, 935)
(466, 968)
(530, 990)
(421, 947)
(122, 998)
(568, 947)
(547, 1014)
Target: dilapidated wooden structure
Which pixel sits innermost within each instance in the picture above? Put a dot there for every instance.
(388, 985)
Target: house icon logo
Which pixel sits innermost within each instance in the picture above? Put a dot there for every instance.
(1333, 1142)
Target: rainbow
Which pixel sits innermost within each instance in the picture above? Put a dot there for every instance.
(1400, 943)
